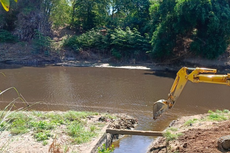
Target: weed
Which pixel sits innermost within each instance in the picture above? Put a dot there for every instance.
(103, 149)
(110, 116)
(170, 136)
(78, 132)
(191, 121)
(73, 115)
(173, 129)
(44, 143)
(3, 126)
(225, 111)
(93, 128)
(75, 129)
(210, 111)
(41, 136)
(216, 117)
(66, 149)
(18, 130)
(41, 125)
(56, 119)
(218, 111)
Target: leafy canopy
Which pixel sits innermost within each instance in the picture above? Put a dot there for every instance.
(205, 22)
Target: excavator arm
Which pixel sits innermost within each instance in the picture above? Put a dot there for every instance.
(196, 75)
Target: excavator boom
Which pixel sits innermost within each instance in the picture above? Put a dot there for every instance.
(196, 75)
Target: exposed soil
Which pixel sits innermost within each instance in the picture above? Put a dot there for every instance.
(196, 137)
(60, 142)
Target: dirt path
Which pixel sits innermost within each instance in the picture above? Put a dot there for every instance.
(199, 133)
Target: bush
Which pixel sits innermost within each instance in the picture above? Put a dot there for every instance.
(41, 44)
(119, 43)
(90, 39)
(6, 36)
(129, 44)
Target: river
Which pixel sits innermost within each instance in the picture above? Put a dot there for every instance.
(111, 90)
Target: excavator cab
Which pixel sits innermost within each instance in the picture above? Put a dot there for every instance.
(195, 75)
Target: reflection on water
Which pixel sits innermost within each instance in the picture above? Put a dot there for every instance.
(111, 90)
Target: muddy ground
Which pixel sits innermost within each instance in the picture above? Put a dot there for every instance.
(200, 136)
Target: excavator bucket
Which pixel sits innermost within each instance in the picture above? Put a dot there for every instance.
(159, 107)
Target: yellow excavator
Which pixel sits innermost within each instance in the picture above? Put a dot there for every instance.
(185, 74)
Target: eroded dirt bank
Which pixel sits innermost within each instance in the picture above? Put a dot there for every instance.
(199, 133)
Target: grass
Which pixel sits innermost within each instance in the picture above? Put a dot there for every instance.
(43, 124)
(191, 121)
(218, 115)
(173, 129)
(171, 136)
(79, 134)
(41, 136)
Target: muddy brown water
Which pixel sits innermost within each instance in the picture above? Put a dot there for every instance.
(111, 90)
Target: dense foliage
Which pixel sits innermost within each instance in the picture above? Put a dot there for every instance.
(6, 36)
(118, 43)
(133, 28)
(88, 14)
(205, 22)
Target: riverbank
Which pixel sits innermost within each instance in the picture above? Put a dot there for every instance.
(198, 133)
(21, 54)
(55, 131)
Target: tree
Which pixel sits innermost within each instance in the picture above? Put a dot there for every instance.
(205, 22)
(129, 13)
(60, 13)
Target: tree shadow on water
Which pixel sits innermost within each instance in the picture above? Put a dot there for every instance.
(162, 73)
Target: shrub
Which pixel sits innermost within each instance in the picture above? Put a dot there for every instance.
(129, 43)
(119, 43)
(6, 36)
(90, 39)
(41, 44)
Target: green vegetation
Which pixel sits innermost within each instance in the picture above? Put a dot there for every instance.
(191, 121)
(41, 44)
(44, 124)
(218, 115)
(171, 136)
(205, 22)
(172, 129)
(6, 36)
(103, 149)
(138, 29)
(118, 43)
(77, 131)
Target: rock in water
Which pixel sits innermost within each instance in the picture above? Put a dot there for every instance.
(224, 143)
